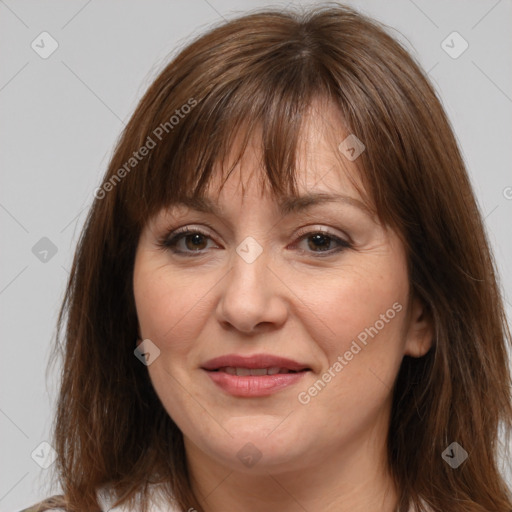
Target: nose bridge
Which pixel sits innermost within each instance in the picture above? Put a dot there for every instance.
(251, 294)
(249, 269)
(250, 250)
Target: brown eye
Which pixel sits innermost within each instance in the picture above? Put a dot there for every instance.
(319, 241)
(187, 241)
(323, 243)
(194, 242)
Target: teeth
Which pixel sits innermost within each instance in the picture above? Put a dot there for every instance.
(259, 371)
(245, 372)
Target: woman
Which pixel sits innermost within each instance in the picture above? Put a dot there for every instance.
(283, 297)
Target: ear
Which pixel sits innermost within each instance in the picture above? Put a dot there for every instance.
(420, 332)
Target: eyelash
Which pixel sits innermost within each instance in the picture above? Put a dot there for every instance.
(170, 241)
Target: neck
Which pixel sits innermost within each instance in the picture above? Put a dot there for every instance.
(356, 479)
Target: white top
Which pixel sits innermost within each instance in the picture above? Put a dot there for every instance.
(158, 503)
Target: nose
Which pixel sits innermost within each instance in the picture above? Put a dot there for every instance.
(253, 296)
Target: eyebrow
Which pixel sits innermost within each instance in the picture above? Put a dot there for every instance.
(286, 206)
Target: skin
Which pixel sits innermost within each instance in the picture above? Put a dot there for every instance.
(328, 454)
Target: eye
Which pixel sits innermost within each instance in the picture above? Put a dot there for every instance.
(194, 242)
(321, 241)
(186, 241)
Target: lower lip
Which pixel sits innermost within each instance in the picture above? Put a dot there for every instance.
(254, 385)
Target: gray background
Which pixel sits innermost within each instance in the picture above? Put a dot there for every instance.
(62, 115)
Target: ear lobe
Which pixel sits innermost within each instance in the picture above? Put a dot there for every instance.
(420, 332)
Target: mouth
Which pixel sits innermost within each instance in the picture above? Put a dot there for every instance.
(255, 372)
(254, 376)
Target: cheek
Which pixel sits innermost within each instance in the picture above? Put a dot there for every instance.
(168, 305)
(360, 302)
(169, 309)
(364, 311)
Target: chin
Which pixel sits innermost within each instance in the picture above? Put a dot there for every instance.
(253, 447)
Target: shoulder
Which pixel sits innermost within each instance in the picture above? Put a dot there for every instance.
(52, 504)
(424, 504)
(159, 500)
(106, 500)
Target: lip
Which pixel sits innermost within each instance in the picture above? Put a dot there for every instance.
(254, 385)
(254, 361)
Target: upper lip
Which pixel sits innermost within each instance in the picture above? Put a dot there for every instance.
(255, 361)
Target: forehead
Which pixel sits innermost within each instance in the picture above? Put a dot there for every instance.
(321, 182)
(286, 204)
(322, 172)
(305, 170)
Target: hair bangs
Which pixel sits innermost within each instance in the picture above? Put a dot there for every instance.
(266, 106)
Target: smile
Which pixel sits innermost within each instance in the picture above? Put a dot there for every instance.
(254, 376)
(245, 372)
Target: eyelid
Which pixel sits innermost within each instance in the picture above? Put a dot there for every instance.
(169, 241)
(311, 229)
(302, 231)
(172, 232)
(343, 242)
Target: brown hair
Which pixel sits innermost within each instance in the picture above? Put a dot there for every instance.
(264, 70)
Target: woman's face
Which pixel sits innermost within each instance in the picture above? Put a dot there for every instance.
(276, 334)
